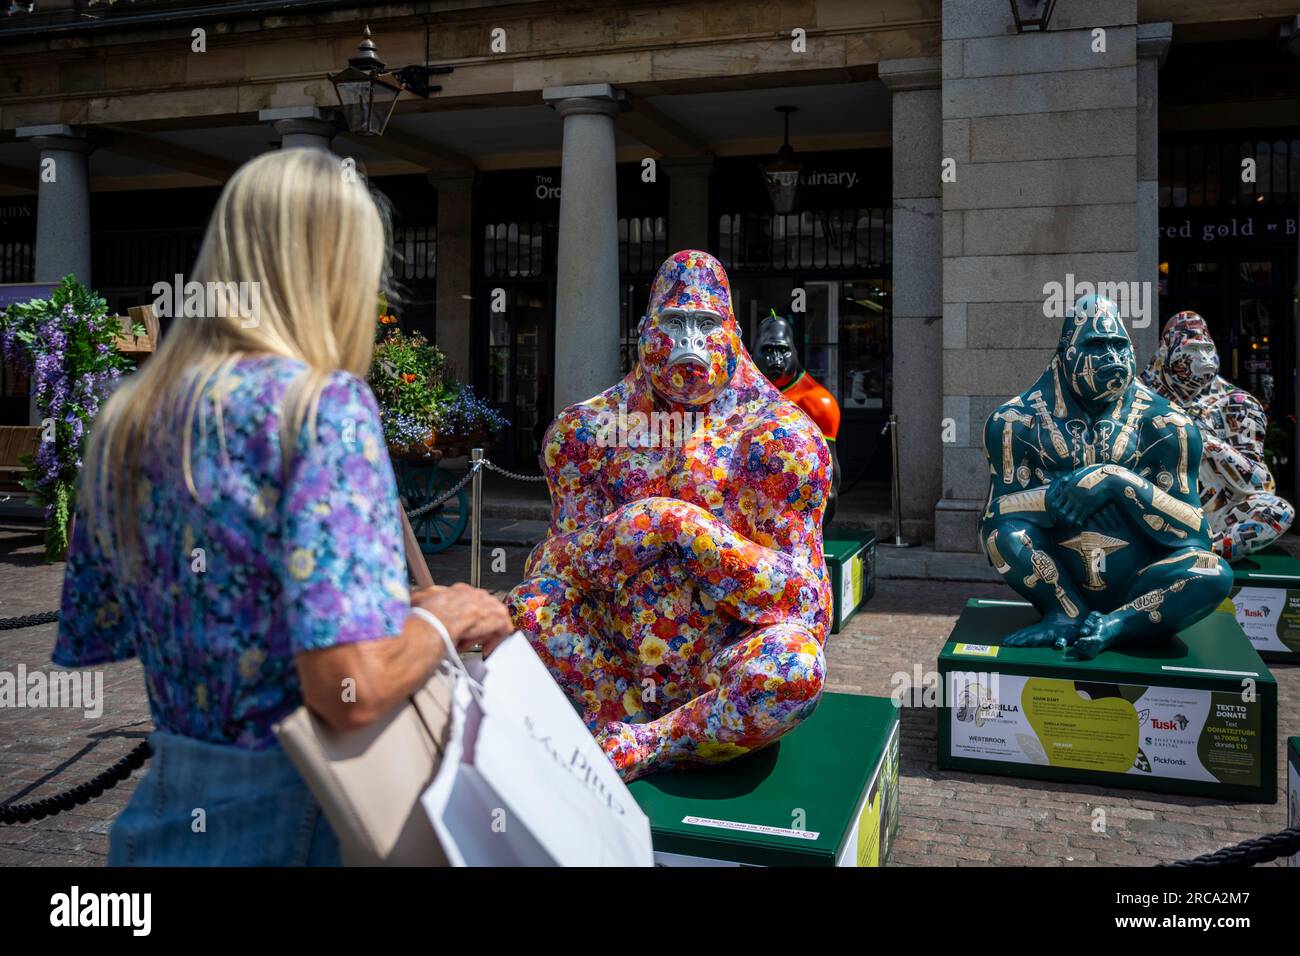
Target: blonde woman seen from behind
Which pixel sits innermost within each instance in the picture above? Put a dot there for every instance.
(237, 528)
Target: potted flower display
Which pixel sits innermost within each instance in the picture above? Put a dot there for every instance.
(422, 409)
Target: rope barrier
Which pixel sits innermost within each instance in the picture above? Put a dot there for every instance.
(445, 496)
(92, 788)
(451, 492)
(28, 620)
(1262, 849)
(511, 474)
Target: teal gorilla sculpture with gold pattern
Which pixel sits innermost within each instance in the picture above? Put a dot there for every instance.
(1093, 513)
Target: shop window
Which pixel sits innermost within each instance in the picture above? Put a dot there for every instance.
(642, 245)
(865, 344)
(126, 265)
(1208, 172)
(1255, 272)
(1253, 357)
(1293, 171)
(836, 239)
(415, 253)
(514, 249)
(1282, 190)
(1196, 175)
(844, 340)
(17, 261)
(1204, 274)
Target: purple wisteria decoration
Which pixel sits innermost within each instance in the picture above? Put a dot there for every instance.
(66, 345)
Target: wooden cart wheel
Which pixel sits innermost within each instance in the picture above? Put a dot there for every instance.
(422, 482)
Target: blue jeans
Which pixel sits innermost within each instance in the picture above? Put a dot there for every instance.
(256, 810)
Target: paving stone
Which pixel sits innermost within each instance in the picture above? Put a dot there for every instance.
(947, 818)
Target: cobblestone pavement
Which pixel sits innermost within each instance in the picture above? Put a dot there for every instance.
(946, 818)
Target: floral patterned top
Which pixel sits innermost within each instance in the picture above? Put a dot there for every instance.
(262, 566)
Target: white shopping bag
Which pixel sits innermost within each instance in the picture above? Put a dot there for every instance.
(522, 782)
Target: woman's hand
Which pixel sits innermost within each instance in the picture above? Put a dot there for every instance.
(379, 675)
(471, 616)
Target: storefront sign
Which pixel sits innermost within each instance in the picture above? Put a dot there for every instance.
(17, 219)
(1275, 226)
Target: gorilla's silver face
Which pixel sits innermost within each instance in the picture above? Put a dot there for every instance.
(690, 331)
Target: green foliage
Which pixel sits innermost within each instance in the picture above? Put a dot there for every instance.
(66, 344)
(406, 376)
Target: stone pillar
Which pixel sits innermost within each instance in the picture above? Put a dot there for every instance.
(688, 202)
(1153, 40)
(586, 301)
(453, 327)
(1293, 45)
(1042, 129)
(918, 321)
(302, 126)
(62, 202)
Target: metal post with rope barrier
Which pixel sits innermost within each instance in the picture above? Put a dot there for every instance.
(1258, 850)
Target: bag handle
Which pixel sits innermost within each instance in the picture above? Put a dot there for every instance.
(452, 663)
(414, 556)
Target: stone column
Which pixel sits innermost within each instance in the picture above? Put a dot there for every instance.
(302, 126)
(62, 209)
(62, 202)
(455, 259)
(1042, 129)
(688, 202)
(918, 321)
(586, 301)
(1153, 40)
(1293, 45)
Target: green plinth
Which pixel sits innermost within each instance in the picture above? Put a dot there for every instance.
(1293, 791)
(826, 794)
(1196, 716)
(1266, 601)
(851, 561)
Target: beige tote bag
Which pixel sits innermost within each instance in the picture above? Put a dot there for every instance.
(369, 781)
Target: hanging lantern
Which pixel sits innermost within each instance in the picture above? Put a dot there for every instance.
(1032, 16)
(368, 93)
(782, 174)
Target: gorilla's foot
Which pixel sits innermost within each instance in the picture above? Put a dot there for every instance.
(628, 749)
(1099, 631)
(1053, 629)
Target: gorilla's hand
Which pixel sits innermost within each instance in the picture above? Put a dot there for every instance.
(1070, 505)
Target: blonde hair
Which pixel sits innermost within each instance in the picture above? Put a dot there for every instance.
(308, 233)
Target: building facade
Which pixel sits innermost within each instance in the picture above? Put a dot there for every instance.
(948, 168)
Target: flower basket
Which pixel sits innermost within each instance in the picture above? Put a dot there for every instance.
(426, 415)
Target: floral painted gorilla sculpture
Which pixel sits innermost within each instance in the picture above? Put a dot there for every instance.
(1236, 486)
(681, 598)
(1093, 514)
